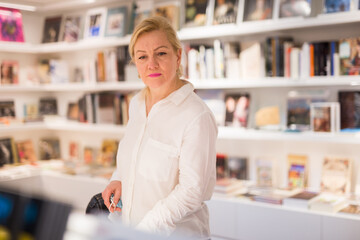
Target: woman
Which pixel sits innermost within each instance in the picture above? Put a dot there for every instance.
(166, 159)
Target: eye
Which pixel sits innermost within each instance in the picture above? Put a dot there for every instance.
(161, 53)
(141, 57)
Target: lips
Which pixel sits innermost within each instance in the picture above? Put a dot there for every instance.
(154, 75)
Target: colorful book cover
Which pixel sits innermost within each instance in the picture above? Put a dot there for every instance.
(295, 8)
(297, 173)
(108, 152)
(8, 154)
(298, 107)
(49, 148)
(238, 167)
(349, 109)
(265, 172)
(9, 72)
(72, 28)
(95, 22)
(196, 13)
(225, 11)
(221, 166)
(349, 52)
(336, 175)
(7, 109)
(11, 26)
(26, 151)
(170, 11)
(258, 10)
(116, 22)
(237, 109)
(333, 6)
(52, 29)
(325, 116)
(48, 106)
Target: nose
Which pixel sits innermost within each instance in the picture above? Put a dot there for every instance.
(153, 63)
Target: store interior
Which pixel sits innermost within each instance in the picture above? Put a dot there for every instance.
(281, 77)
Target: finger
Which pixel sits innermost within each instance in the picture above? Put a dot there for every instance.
(106, 196)
(117, 195)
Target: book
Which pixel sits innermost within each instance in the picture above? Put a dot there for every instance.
(225, 11)
(74, 154)
(258, 10)
(59, 71)
(333, 6)
(73, 111)
(48, 106)
(349, 109)
(295, 8)
(221, 166)
(11, 25)
(116, 22)
(8, 153)
(298, 107)
(90, 155)
(336, 175)
(72, 28)
(143, 9)
(7, 109)
(297, 170)
(26, 151)
(170, 11)
(229, 187)
(51, 30)
(268, 117)
(351, 209)
(108, 152)
(300, 200)
(325, 116)
(31, 112)
(349, 53)
(214, 99)
(196, 13)
(49, 148)
(327, 203)
(265, 172)
(9, 72)
(251, 60)
(238, 167)
(95, 21)
(237, 109)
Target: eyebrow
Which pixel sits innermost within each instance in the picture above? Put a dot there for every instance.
(154, 49)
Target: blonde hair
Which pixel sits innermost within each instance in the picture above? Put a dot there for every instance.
(152, 24)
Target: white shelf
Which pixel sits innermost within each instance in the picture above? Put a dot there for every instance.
(265, 26)
(231, 133)
(16, 47)
(198, 84)
(276, 82)
(85, 127)
(75, 87)
(257, 135)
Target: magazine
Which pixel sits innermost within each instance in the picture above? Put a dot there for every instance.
(72, 28)
(11, 26)
(116, 22)
(295, 8)
(258, 10)
(225, 11)
(237, 109)
(51, 29)
(196, 13)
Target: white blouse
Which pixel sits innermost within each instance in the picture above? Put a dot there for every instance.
(166, 162)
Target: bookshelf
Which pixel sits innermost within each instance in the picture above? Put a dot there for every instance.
(233, 141)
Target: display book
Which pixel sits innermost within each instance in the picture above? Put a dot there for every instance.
(335, 182)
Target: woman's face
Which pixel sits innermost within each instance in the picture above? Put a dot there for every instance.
(156, 60)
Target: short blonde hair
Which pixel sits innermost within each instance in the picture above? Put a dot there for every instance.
(152, 24)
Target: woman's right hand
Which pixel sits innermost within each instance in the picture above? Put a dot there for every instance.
(114, 187)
